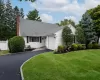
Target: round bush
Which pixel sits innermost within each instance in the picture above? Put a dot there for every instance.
(83, 46)
(16, 44)
(74, 47)
(90, 46)
(61, 49)
(95, 46)
(80, 47)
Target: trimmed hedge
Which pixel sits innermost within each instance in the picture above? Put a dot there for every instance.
(96, 46)
(90, 46)
(16, 44)
(61, 49)
(81, 46)
(93, 46)
(74, 47)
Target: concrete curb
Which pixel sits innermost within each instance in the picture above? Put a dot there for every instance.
(21, 71)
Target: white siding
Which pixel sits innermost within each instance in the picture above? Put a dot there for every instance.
(3, 45)
(99, 40)
(34, 44)
(58, 39)
(52, 42)
(72, 29)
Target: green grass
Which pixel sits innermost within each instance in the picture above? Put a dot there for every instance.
(4, 52)
(79, 65)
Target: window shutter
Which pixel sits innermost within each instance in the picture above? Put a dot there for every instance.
(27, 39)
(40, 39)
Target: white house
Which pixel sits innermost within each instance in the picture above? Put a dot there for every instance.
(39, 34)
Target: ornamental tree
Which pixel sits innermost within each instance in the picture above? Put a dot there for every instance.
(67, 36)
(80, 37)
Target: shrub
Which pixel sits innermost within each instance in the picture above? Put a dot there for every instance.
(81, 47)
(61, 49)
(74, 47)
(90, 46)
(95, 46)
(16, 44)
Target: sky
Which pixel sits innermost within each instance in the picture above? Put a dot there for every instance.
(53, 11)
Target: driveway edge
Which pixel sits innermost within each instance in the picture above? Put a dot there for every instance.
(21, 71)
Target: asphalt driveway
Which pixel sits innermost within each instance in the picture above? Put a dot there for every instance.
(10, 64)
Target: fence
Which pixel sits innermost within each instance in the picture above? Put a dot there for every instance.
(3, 45)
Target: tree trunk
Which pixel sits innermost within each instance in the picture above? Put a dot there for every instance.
(87, 42)
(98, 39)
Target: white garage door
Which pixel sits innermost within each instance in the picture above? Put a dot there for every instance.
(51, 42)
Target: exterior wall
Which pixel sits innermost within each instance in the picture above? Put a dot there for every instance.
(34, 44)
(53, 41)
(72, 29)
(3, 45)
(99, 40)
(58, 39)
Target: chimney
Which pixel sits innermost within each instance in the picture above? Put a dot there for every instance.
(18, 20)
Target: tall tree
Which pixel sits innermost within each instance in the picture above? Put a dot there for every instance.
(34, 15)
(87, 25)
(22, 12)
(8, 17)
(2, 18)
(95, 15)
(9, 20)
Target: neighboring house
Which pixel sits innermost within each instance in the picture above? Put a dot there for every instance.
(39, 34)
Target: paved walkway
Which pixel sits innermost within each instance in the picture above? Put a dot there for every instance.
(10, 64)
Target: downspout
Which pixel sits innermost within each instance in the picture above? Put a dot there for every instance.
(48, 41)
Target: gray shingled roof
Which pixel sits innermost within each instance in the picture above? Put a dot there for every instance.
(35, 28)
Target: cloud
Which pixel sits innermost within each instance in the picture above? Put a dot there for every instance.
(46, 18)
(70, 7)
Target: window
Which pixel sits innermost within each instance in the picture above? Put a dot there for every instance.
(34, 39)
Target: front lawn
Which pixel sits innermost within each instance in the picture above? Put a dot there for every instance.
(4, 52)
(79, 65)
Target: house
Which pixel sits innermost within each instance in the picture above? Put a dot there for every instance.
(39, 34)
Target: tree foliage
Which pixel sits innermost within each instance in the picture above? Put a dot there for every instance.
(8, 17)
(67, 36)
(2, 23)
(95, 15)
(34, 15)
(80, 38)
(87, 26)
(66, 22)
(28, 0)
